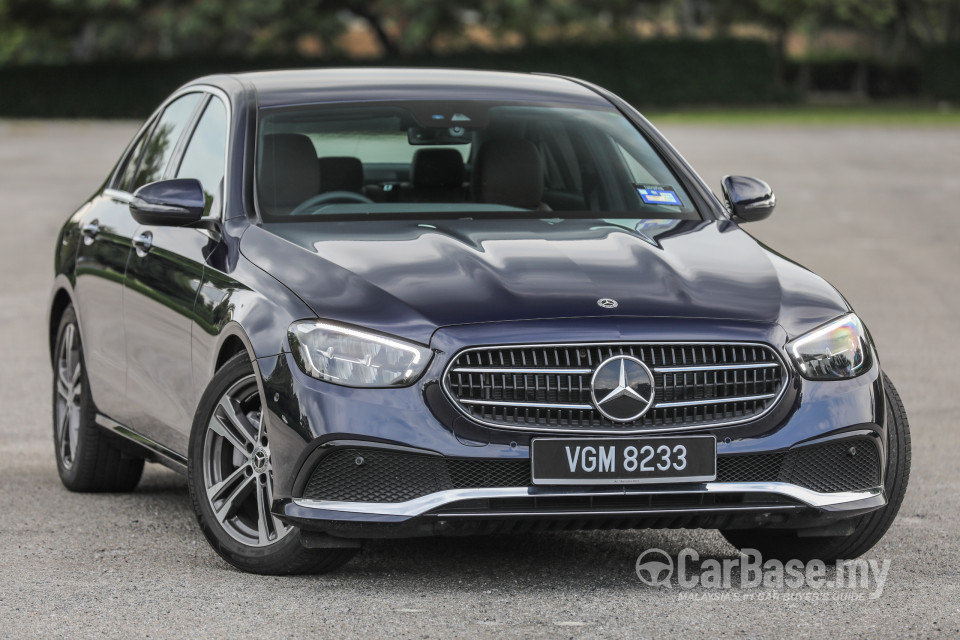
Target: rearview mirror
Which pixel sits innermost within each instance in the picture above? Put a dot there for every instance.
(169, 203)
(749, 199)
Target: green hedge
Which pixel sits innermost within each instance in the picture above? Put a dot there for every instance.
(650, 73)
(941, 77)
(839, 76)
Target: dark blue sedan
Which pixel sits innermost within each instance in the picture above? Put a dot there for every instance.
(355, 304)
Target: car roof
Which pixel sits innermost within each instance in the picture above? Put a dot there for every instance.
(312, 86)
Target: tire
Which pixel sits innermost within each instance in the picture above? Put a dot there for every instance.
(231, 482)
(868, 529)
(87, 459)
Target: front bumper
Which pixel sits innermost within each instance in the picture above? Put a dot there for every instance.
(359, 489)
(309, 419)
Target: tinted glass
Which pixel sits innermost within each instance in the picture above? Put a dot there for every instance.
(466, 157)
(163, 140)
(129, 169)
(206, 153)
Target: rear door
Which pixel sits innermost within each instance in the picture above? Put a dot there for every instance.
(108, 229)
(163, 277)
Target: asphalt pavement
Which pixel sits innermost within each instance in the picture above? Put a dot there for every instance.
(874, 210)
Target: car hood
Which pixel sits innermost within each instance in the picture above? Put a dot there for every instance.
(409, 278)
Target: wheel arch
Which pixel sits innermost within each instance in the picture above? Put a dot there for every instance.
(233, 340)
(231, 346)
(59, 301)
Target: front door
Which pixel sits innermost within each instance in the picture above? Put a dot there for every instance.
(163, 278)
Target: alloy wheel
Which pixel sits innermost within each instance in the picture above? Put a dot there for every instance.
(237, 471)
(69, 385)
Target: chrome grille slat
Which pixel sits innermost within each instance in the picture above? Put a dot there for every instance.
(547, 387)
(692, 403)
(719, 367)
(539, 405)
(519, 370)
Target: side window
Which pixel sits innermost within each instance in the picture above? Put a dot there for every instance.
(129, 169)
(163, 140)
(206, 153)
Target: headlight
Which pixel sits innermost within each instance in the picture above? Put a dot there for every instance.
(834, 351)
(354, 358)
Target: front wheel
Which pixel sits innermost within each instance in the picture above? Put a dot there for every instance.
(867, 529)
(230, 475)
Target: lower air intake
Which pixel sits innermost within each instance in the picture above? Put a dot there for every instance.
(372, 475)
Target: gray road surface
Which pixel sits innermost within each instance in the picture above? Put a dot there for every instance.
(873, 210)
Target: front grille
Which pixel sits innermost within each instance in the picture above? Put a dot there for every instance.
(372, 475)
(548, 387)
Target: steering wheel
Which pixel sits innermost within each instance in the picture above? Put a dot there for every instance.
(331, 197)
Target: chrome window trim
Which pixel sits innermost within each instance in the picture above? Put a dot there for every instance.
(423, 504)
(448, 369)
(119, 195)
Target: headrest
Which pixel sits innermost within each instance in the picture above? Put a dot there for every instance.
(288, 170)
(341, 174)
(436, 168)
(508, 172)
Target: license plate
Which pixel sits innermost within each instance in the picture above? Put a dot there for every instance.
(623, 460)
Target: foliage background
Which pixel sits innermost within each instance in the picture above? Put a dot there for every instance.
(653, 52)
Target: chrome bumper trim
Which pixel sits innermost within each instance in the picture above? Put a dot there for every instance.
(419, 506)
(725, 510)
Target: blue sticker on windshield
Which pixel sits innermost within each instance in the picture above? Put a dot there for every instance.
(658, 195)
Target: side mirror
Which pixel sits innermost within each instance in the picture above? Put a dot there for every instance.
(169, 203)
(749, 199)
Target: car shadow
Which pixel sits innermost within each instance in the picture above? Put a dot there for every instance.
(527, 560)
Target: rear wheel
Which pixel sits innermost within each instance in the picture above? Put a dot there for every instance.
(867, 529)
(86, 457)
(230, 476)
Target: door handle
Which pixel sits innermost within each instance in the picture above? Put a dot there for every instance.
(90, 231)
(143, 243)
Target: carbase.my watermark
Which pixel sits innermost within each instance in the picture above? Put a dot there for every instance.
(841, 580)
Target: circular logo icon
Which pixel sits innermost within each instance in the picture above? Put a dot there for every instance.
(259, 460)
(608, 303)
(622, 388)
(655, 567)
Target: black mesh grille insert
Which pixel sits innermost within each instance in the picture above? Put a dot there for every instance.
(389, 476)
(846, 465)
(549, 386)
(839, 466)
(489, 473)
(369, 475)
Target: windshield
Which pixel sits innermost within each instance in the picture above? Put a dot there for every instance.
(468, 158)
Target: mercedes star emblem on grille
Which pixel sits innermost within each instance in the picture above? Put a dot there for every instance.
(622, 388)
(607, 303)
